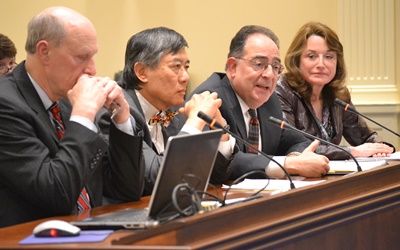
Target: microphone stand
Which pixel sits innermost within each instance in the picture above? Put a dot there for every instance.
(283, 124)
(215, 124)
(347, 107)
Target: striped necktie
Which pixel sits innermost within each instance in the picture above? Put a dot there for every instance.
(253, 131)
(83, 200)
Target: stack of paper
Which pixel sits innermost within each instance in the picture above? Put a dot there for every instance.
(343, 167)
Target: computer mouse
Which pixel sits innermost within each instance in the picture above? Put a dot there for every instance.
(56, 228)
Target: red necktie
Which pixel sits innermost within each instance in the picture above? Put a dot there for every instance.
(253, 131)
(83, 200)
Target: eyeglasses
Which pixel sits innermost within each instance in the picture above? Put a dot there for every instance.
(4, 69)
(261, 64)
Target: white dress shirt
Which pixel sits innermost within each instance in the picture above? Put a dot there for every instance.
(272, 169)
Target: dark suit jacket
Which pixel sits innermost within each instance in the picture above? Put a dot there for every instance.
(275, 142)
(151, 156)
(42, 176)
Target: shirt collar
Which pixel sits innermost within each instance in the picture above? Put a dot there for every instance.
(148, 109)
(42, 95)
(244, 107)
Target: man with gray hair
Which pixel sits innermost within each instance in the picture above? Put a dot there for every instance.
(155, 78)
(53, 161)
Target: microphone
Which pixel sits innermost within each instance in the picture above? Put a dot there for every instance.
(347, 107)
(283, 124)
(215, 124)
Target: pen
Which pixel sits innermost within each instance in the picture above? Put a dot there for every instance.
(340, 171)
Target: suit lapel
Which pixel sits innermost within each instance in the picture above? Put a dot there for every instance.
(136, 108)
(33, 100)
(172, 129)
(232, 104)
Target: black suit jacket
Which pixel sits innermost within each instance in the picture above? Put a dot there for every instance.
(275, 141)
(151, 157)
(42, 176)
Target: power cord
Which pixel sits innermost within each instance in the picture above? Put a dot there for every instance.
(186, 199)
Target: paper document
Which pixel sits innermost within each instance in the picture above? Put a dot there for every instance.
(344, 167)
(257, 184)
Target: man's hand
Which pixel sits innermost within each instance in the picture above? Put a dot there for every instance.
(115, 101)
(206, 102)
(90, 94)
(87, 97)
(308, 164)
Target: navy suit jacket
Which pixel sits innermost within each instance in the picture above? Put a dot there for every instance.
(42, 176)
(275, 141)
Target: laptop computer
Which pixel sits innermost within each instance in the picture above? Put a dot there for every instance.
(188, 158)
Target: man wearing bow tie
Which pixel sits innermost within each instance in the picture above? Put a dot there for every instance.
(155, 78)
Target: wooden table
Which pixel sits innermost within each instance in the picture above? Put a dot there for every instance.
(359, 211)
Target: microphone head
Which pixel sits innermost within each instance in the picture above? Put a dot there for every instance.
(209, 120)
(276, 121)
(279, 123)
(343, 104)
(201, 115)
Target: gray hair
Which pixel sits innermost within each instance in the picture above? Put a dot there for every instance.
(45, 26)
(147, 47)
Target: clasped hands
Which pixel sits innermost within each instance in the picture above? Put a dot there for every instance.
(90, 94)
(207, 102)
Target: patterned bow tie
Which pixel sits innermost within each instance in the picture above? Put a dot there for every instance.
(163, 118)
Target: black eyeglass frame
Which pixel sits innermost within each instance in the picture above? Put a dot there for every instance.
(7, 69)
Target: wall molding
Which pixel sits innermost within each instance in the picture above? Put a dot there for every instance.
(367, 31)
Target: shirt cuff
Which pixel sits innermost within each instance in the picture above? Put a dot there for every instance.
(190, 129)
(273, 170)
(127, 127)
(84, 122)
(226, 148)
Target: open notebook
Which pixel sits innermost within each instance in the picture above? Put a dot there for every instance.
(187, 159)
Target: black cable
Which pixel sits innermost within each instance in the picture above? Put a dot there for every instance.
(253, 196)
(215, 197)
(214, 187)
(185, 191)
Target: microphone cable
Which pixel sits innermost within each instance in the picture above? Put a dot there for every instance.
(251, 197)
(347, 107)
(187, 202)
(284, 125)
(212, 123)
